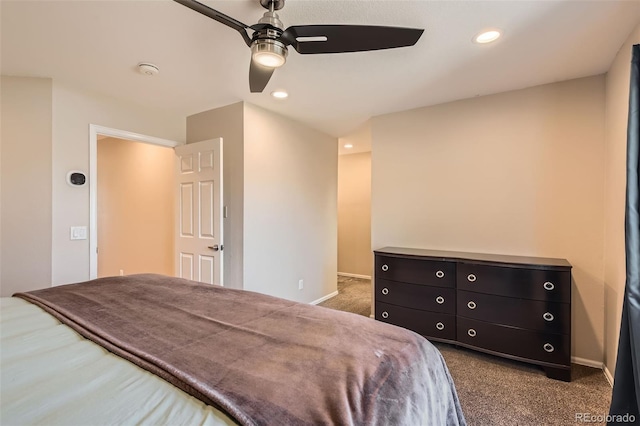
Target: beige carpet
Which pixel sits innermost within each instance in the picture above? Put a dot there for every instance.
(494, 391)
(354, 295)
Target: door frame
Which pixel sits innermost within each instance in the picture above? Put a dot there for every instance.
(94, 131)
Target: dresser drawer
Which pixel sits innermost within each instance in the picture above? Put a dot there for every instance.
(538, 346)
(427, 298)
(535, 284)
(416, 271)
(550, 317)
(429, 324)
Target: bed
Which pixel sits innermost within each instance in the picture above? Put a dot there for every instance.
(150, 349)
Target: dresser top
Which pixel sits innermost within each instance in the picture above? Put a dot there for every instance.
(475, 257)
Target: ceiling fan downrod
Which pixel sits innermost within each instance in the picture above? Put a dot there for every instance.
(276, 4)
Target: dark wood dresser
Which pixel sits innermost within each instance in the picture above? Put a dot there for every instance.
(511, 306)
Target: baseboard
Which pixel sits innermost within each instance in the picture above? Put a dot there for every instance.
(587, 362)
(608, 375)
(322, 299)
(346, 274)
(594, 364)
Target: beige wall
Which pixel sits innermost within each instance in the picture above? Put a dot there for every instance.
(73, 111)
(227, 123)
(25, 192)
(354, 214)
(290, 213)
(62, 144)
(135, 208)
(617, 107)
(515, 173)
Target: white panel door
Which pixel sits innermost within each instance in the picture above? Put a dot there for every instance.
(199, 243)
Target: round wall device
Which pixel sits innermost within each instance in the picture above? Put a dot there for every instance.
(76, 178)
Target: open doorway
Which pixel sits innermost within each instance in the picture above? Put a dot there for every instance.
(355, 256)
(117, 204)
(135, 207)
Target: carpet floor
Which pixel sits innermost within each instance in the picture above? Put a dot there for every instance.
(354, 295)
(494, 391)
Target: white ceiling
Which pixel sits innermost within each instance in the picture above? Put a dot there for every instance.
(96, 45)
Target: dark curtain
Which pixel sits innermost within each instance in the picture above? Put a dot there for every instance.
(626, 388)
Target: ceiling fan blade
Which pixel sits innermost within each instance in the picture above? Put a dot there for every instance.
(310, 39)
(218, 16)
(259, 76)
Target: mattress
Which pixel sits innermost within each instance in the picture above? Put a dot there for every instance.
(51, 375)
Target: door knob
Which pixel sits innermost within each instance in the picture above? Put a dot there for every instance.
(216, 247)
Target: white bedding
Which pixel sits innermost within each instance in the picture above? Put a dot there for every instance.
(51, 375)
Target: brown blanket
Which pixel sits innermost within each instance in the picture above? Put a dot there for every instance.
(262, 359)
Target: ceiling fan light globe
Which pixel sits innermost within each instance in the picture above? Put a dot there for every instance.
(267, 59)
(269, 53)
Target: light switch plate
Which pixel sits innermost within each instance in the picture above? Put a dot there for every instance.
(78, 232)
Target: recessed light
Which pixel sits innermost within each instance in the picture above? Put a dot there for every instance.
(348, 146)
(280, 94)
(487, 36)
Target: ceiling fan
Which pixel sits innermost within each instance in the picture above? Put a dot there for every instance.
(269, 41)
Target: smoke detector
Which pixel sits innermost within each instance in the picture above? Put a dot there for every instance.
(148, 69)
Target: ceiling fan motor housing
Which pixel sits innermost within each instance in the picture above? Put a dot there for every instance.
(272, 18)
(267, 40)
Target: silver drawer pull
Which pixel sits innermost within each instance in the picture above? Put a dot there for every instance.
(385, 315)
(549, 286)
(385, 291)
(548, 347)
(548, 316)
(385, 268)
(440, 326)
(440, 274)
(471, 277)
(439, 300)
(471, 332)
(471, 305)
